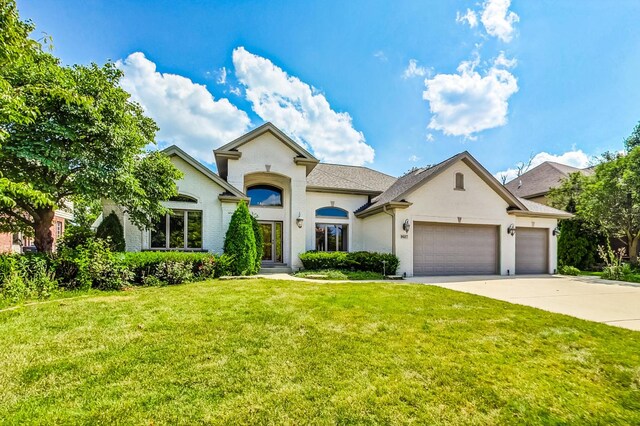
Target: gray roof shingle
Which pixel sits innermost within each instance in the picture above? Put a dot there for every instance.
(540, 179)
(336, 176)
(534, 207)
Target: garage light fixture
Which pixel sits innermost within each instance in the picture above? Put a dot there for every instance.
(406, 225)
(511, 230)
(299, 220)
(556, 231)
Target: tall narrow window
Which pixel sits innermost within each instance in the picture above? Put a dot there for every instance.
(180, 230)
(330, 237)
(460, 181)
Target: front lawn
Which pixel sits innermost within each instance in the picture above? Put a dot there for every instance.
(333, 274)
(266, 351)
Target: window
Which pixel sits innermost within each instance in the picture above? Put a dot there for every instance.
(265, 195)
(183, 198)
(181, 229)
(332, 212)
(459, 181)
(331, 237)
(58, 229)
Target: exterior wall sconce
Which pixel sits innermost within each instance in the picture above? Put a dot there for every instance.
(406, 225)
(299, 220)
(511, 230)
(556, 231)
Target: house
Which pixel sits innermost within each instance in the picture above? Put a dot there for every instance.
(451, 218)
(17, 242)
(536, 183)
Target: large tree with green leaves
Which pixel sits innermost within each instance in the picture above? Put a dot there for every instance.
(85, 140)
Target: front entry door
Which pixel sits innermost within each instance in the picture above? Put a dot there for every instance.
(271, 242)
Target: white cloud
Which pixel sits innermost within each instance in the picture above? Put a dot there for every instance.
(381, 56)
(467, 102)
(430, 137)
(502, 61)
(300, 110)
(469, 17)
(576, 158)
(236, 91)
(413, 70)
(498, 20)
(222, 76)
(414, 158)
(186, 112)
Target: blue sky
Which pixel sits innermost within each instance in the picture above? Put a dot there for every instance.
(390, 85)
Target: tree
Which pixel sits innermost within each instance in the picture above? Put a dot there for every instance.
(111, 229)
(88, 140)
(611, 198)
(240, 241)
(633, 140)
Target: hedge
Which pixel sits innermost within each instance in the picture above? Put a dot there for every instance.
(367, 261)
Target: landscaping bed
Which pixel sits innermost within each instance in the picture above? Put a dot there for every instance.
(334, 274)
(267, 351)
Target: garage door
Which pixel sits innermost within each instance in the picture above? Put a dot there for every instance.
(440, 249)
(532, 245)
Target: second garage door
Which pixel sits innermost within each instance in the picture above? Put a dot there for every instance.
(532, 250)
(449, 249)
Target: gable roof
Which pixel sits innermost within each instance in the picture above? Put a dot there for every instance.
(230, 150)
(414, 179)
(231, 191)
(353, 179)
(539, 180)
(537, 209)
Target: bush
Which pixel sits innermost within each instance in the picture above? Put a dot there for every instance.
(614, 268)
(173, 267)
(26, 276)
(75, 236)
(357, 261)
(578, 244)
(110, 229)
(257, 233)
(240, 242)
(569, 270)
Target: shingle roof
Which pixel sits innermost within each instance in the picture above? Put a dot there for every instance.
(335, 176)
(540, 179)
(534, 207)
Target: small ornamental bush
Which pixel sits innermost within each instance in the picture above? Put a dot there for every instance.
(26, 276)
(111, 230)
(257, 233)
(569, 270)
(355, 261)
(240, 242)
(193, 266)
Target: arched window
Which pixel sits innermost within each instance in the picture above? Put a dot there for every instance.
(332, 212)
(460, 181)
(265, 195)
(183, 198)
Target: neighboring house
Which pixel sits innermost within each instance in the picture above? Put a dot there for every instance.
(17, 242)
(451, 218)
(536, 183)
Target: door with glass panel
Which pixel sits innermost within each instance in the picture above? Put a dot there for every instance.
(271, 242)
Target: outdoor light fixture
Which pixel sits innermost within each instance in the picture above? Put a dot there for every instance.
(556, 231)
(511, 230)
(406, 225)
(299, 220)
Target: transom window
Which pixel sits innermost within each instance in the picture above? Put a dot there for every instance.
(265, 195)
(459, 181)
(330, 237)
(332, 212)
(181, 229)
(183, 198)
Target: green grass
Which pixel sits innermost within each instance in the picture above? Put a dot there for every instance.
(333, 274)
(632, 278)
(274, 352)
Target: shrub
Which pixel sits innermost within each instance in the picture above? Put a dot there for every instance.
(257, 233)
(111, 230)
(569, 270)
(201, 266)
(240, 242)
(26, 276)
(357, 261)
(578, 244)
(614, 268)
(174, 272)
(75, 236)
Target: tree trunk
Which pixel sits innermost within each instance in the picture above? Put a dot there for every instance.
(43, 239)
(633, 250)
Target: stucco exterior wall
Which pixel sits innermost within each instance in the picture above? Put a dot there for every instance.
(264, 156)
(348, 202)
(377, 233)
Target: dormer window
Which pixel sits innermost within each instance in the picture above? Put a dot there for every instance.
(459, 182)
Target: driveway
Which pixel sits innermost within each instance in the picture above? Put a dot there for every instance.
(588, 298)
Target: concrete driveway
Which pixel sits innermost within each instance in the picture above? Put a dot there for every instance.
(588, 298)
